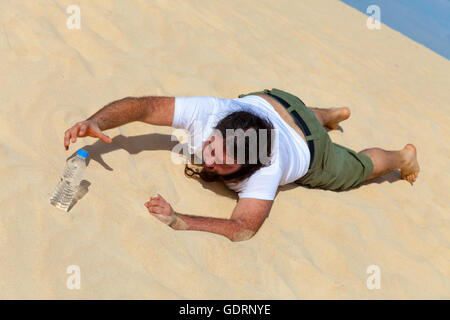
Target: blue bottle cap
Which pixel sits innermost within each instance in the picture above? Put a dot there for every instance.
(82, 153)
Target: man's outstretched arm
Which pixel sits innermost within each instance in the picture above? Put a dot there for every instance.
(153, 110)
(248, 216)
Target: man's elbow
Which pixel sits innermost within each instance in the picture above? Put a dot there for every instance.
(242, 235)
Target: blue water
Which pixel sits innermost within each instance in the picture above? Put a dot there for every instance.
(424, 21)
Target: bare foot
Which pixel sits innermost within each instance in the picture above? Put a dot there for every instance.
(337, 115)
(410, 170)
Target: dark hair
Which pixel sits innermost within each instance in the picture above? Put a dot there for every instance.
(243, 120)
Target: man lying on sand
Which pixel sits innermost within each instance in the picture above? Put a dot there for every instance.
(295, 143)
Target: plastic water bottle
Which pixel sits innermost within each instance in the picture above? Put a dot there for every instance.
(70, 181)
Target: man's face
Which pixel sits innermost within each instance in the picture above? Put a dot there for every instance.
(213, 151)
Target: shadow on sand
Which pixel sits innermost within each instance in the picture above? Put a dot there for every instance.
(390, 178)
(135, 145)
(81, 192)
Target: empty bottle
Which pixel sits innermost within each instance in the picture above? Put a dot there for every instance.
(70, 181)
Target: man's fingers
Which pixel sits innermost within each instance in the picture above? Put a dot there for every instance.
(67, 139)
(83, 129)
(155, 196)
(157, 206)
(156, 210)
(74, 134)
(71, 135)
(106, 138)
(98, 133)
(103, 137)
(155, 203)
(160, 197)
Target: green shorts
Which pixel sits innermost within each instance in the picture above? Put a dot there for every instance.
(334, 167)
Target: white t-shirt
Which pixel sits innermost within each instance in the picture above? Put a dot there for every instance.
(290, 153)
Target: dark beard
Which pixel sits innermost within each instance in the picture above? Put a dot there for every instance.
(209, 176)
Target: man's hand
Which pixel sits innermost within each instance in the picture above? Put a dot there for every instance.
(247, 218)
(161, 209)
(84, 129)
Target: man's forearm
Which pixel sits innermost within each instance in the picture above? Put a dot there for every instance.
(232, 229)
(121, 112)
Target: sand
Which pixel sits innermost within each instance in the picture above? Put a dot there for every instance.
(314, 244)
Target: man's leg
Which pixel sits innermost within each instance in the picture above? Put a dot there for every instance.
(386, 161)
(330, 117)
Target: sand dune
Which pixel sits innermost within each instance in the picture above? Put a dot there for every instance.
(315, 243)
